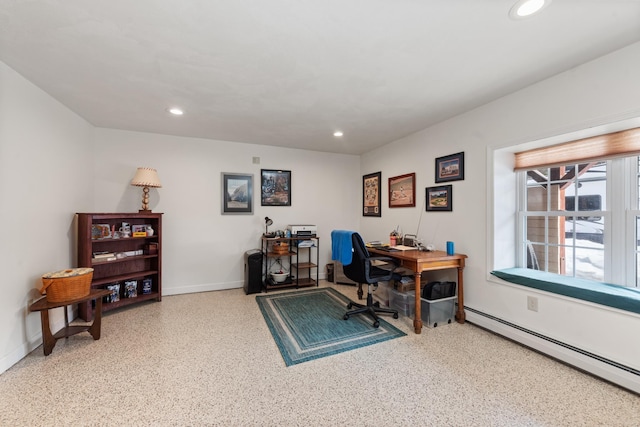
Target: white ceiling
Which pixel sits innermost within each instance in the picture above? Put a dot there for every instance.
(290, 72)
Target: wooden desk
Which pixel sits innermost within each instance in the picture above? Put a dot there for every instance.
(419, 261)
(49, 339)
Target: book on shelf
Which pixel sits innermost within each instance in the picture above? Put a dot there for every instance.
(103, 255)
(114, 296)
(130, 288)
(147, 285)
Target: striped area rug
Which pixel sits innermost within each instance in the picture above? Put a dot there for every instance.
(308, 325)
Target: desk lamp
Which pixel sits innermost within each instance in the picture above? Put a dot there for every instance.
(267, 222)
(145, 178)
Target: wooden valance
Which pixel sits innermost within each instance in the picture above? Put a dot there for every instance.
(602, 147)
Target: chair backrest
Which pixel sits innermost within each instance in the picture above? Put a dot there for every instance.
(358, 270)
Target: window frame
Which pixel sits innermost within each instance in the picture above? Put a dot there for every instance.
(621, 263)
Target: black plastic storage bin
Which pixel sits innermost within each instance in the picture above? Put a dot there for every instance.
(438, 290)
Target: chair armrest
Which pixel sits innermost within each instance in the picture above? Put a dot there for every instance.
(384, 271)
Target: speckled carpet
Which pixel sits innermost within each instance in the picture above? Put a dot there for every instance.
(308, 325)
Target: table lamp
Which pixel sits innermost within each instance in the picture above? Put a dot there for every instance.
(267, 222)
(145, 178)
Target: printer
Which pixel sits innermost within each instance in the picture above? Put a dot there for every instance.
(302, 230)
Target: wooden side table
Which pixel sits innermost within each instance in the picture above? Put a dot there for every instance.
(49, 339)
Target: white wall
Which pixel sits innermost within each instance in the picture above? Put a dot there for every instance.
(72, 167)
(600, 92)
(203, 249)
(46, 174)
(54, 164)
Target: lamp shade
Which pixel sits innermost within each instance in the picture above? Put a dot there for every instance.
(146, 177)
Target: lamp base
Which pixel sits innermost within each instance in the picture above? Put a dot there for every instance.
(144, 210)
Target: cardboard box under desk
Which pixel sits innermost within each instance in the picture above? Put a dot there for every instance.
(407, 286)
(407, 283)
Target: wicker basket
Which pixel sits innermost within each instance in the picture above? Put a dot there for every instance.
(281, 248)
(66, 285)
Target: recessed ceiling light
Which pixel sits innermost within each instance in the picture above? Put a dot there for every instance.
(176, 111)
(526, 8)
(338, 134)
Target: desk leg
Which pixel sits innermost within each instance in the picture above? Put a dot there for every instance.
(417, 320)
(94, 329)
(460, 315)
(48, 340)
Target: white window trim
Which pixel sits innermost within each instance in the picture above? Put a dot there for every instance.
(502, 183)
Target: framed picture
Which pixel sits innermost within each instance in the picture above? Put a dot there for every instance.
(371, 194)
(276, 187)
(450, 168)
(237, 193)
(100, 231)
(137, 228)
(402, 191)
(440, 198)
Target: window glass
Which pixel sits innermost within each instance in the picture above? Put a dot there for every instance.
(565, 226)
(537, 184)
(585, 262)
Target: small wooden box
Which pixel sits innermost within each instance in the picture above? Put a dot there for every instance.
(151, 249)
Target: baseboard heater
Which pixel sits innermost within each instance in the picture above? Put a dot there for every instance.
(609, 370)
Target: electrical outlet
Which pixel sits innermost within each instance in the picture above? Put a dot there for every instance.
(532, 303)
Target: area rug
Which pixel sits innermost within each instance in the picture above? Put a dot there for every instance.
(309, 324)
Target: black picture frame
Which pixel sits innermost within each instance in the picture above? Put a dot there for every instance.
(450, 168)
(439, 199)
(237, 193)
(372, 194)
(275, 187)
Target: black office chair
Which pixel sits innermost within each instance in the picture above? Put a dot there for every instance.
(362, 271)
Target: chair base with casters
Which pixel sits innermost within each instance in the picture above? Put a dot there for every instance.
(369, 308)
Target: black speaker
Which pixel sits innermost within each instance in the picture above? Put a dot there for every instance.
(253, 271)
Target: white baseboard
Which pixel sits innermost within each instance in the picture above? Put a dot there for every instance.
(33, 342)
(205, 287)
(606, 369)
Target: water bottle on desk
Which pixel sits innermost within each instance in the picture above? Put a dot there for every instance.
(450, 248)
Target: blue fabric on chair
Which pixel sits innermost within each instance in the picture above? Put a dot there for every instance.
(341, 246)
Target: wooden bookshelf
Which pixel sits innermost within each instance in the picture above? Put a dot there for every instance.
(141, 263)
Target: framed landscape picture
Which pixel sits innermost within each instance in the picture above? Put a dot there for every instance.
(450, 168)
(371, 194)
(275, 187)
(440, 198)
(402, 191)
(237, 193)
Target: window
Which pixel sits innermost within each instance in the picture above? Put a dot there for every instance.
(582, 219)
